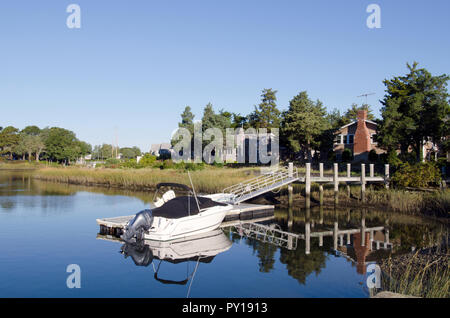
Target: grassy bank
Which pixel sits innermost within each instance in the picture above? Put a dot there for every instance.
(212, 180)
(209, 180)
(20, 165)
(411, 202)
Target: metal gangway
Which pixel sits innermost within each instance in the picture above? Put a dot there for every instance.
(266, 182)
(271, 234)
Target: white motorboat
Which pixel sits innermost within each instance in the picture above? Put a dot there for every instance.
(199, 248)
(176, 217)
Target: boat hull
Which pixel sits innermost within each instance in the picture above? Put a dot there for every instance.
(165, 229)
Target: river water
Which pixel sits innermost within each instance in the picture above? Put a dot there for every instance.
(46, 227)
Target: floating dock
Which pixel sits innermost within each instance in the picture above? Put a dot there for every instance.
(243, 211)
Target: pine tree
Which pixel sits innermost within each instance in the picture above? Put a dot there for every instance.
(352, 113)
(266, 115)
(303, 124)
(187, 120)
(415, 107)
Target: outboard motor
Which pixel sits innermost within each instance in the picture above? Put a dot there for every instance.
(141, 254)
(134, 231)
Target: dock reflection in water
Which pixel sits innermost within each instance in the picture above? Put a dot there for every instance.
(201, 248)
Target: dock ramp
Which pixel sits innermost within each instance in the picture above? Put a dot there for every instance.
(266, 182)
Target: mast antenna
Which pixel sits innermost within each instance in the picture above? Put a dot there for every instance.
(365, 95)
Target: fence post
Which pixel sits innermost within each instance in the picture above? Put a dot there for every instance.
(335, 235)
(349, 174)
(308, 184)
(386, 176)
(336, 183)
(363, 182)
(308, 231)
(320, 184)
(290, 188)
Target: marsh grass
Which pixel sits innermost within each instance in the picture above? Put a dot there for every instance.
(412, 202)
(430, 279)
(213, 180)
(206, 181)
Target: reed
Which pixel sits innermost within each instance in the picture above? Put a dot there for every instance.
(207, 181)
(213, 180)
(436, 204)
(430, 279)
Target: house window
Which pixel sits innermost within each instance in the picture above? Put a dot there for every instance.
(338, 139)
(372, 138)
(345, 137)
(350, 139)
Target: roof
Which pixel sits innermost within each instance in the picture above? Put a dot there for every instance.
(355, 122)
(158, 147)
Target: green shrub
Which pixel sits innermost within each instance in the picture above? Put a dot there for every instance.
(373, 156)
(112, 161)
(331, 156)
(218, 164)
(392, 159)
(168, 164)
(147, 161)
(189, 166)
(347, 155)
(131, 164)
(417, 175)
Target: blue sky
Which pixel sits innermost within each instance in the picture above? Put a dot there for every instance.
(134, 65)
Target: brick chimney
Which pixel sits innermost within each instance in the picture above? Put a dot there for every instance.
(361, 142)
(361, 252)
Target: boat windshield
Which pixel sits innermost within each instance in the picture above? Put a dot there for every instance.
(183, 206)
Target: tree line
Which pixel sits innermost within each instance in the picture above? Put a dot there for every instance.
(53, 144)
(415, 109)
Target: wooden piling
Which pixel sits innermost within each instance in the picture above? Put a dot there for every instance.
(386, 176)
(363, 182)
(336, 183)
(290, 218)
(335, 235)
(290, 170)
(320, 185)
(363, 231)
(321, 215)
(349, 174)
(307, 231)
(290, 188)
(308, 185)
(290, 195)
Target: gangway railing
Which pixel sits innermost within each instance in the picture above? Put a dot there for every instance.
(264, 183)
(271, 234)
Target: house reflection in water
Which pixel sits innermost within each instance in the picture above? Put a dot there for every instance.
(362, 244)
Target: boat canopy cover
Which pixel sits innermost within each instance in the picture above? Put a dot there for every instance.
(183, 206)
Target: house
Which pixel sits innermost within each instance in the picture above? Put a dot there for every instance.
(358, 136)
(163, 149)
(247, 148)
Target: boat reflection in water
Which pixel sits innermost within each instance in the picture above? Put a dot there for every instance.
(200, 248)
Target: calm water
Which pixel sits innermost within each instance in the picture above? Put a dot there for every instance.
(45, 227)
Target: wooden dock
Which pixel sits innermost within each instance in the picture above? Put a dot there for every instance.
(243, 211)
(363, 179)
